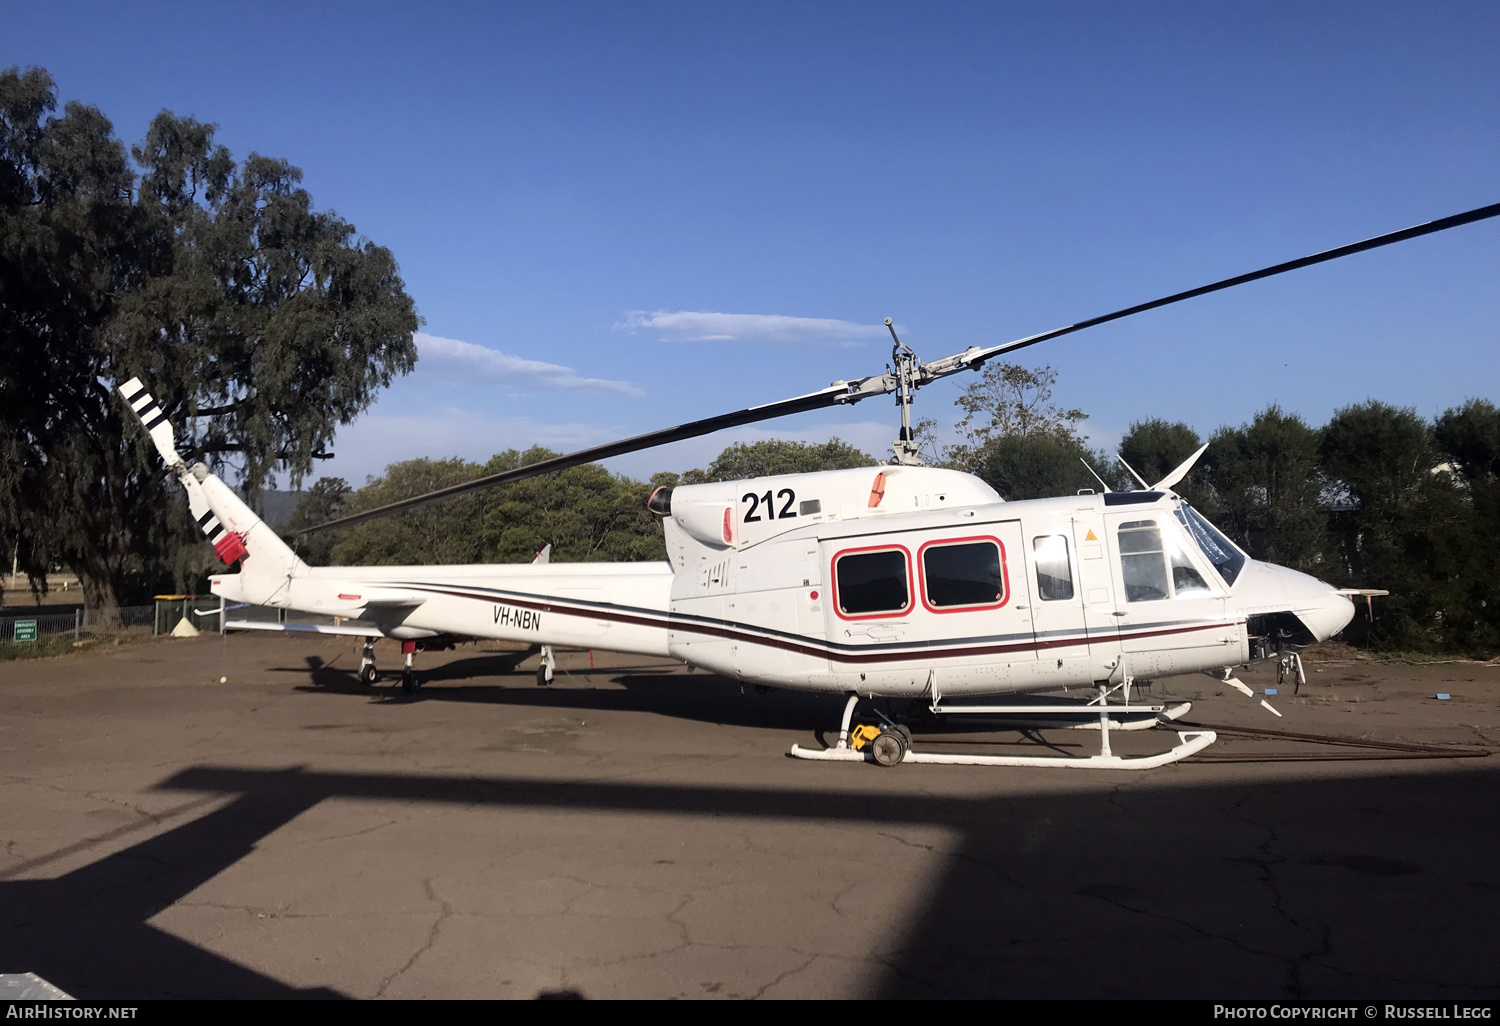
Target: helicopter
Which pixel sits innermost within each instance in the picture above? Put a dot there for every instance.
(898, 582)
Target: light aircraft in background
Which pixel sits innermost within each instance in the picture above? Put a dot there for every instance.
(899, 582)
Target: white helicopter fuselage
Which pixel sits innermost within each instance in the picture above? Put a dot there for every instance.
(881, 581)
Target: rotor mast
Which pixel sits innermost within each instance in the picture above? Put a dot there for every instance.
(907, 367)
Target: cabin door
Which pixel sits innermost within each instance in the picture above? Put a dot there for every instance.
(1050, 558)
(1096, 586)
(1172, 615)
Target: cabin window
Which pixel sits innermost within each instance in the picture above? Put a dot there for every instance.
(1054, 570)
(872, 583)
(1143, 562)
(963, 574)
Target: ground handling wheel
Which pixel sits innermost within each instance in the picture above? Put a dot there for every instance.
(889, 747)
(367, 674)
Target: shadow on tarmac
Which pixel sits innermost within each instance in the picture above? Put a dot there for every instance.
(1371, 887)
(699, 697)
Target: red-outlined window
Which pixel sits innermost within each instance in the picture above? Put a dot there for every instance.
(976, 560)
(872, 584)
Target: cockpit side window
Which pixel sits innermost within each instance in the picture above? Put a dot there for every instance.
(1187, 582)
(1143, 562)
(1221, 552)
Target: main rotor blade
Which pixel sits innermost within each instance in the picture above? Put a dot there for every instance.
(830, 396)
(849, 392)
(1416, 231)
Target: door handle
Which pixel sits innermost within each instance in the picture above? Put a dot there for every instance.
(1119, 614)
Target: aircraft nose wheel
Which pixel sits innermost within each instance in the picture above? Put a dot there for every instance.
(367, 674)
(889, 747)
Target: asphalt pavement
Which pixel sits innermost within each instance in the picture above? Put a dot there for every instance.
(636, 830)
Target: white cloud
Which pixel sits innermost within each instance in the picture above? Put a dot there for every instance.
(691, 326)
(471, 359)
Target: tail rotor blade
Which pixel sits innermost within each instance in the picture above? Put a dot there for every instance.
(149, 412)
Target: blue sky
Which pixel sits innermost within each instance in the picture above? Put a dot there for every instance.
(579, 195)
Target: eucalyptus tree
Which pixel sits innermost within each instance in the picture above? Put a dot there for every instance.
(261, 323)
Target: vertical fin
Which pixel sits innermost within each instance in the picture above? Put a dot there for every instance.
(230, 526)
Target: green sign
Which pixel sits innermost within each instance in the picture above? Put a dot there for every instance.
(25, 630)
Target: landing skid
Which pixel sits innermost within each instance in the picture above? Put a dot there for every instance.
(1071, 716)
(892, 745)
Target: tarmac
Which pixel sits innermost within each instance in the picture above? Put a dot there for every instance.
(637, 830)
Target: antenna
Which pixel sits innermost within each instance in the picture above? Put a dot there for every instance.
(1091, 471)
(907, 451)
(1133, 474)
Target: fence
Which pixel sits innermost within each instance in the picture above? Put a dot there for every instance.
(35, 626)
(202, 611)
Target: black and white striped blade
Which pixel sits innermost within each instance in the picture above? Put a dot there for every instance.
(149, 412)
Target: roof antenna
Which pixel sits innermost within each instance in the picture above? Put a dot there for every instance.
(1133, 474)
(1091, 471)
(907, 451)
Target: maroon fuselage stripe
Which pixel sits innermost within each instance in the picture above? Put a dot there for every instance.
(883, 656)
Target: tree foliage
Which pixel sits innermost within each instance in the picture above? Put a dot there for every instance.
(585, 513)
(323, 502)
(1009, 399)
(439, 532)
(1412, 526)
(1268, 490)
(1017, 440)
(778, 456)
(1038, 466)
(260, 324)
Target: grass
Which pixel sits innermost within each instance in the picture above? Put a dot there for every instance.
(46, 645)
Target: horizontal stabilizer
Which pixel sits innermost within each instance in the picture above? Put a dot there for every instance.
(359, 630)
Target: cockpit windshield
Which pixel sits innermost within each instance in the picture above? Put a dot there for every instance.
(1221, 552)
